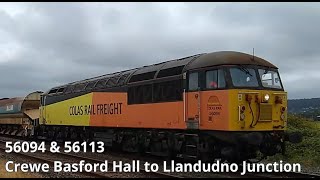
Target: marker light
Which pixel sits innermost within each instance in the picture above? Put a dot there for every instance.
(278, 100)
(242, 116)
(243, 108)
(266, 97)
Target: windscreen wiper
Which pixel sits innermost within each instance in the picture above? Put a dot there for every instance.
(242, 68)
(266, 70)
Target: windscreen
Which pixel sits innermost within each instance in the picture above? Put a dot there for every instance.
(270, 78)
(244, 77)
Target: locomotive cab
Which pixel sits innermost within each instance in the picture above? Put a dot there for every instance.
(239, 100)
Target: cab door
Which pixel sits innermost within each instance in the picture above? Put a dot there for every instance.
(42, 119)
(193, 101)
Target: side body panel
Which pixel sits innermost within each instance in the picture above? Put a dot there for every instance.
(213, 110)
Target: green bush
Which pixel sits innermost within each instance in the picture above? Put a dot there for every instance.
(307, 153)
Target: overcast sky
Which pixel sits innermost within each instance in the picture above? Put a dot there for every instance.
(48, 44)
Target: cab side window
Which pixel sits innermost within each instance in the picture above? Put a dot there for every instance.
(215, 79)
(193, 81)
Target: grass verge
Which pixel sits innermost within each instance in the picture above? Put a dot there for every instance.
(307, 153)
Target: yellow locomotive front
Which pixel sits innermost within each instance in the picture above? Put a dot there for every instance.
(262, 105)
(258, 111)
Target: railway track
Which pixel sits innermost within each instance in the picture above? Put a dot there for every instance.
(288, 175)
(271, 175)
(142, 170)
(50, 157)
(41, 158)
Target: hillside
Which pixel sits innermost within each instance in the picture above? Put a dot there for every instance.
(309, 108)
(300, 105)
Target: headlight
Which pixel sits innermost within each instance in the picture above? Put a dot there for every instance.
(266, 97)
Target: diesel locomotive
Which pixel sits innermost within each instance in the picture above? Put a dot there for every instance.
(222, 105)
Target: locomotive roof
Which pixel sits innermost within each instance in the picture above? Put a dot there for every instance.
(228, 58)
(172, 66)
